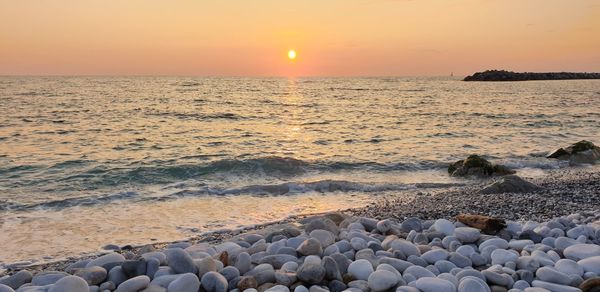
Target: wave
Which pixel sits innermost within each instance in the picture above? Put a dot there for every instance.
(85, 175)
(282, 189)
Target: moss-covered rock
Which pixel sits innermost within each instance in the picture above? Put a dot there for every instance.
(582, 152)
(476, 165)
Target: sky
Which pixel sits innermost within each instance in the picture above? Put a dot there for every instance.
(331, 37)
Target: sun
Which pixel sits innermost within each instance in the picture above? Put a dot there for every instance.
(291, 54)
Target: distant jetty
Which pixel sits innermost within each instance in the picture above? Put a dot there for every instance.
(503, 75)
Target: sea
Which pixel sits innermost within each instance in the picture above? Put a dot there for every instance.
(90, 161)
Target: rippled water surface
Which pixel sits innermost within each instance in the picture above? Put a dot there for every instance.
(109, 153)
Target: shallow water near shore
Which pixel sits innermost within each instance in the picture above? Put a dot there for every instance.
(89, 161)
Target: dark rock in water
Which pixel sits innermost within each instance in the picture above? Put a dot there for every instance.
(510, 184)
(503, 75)
(487, 224)
(476, 165)
(582, 152)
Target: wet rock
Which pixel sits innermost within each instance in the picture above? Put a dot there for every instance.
(476, 165)
(582, 152)
(510, 184)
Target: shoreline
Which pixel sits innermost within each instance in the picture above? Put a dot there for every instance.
(424, 205)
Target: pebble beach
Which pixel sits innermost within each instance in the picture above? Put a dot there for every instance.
(551, 242)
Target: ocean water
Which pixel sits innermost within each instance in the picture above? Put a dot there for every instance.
(87, 161)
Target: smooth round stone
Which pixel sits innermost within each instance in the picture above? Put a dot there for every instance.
(435, 255)
(459, 260)
(582, 251)
(478, 260)
(160, 256)
(214, 282)
(444, 226)
(301, 288)
(591, 264)
(407, 289)
(164, 281)
(449, 277)
(92, 275)
(532, 235)
(519, 244)
(50, 277)
(435, 285)
(152, 266)
(246, 282)
(325, 237)
(521, 284)
(5, 288)
(278, 260)
(358, 243)
(419, 272)
(568, 267)
(116, 275)
(589, 275)
(554, 287)
(311, 272)
(465, 250)
(553, 276)
(543, 258)
(501, 256)
(107, 286)
(497, 242)
(311, 246)
(360, 269)
(281, 288)
(472, 284)
(331, 250)
(498, 279)
(398, 264)
(406, 247)
(230, 273)
(467, 234)
(562, 243)
(107, 261)
(180, 261)
(417, 261)
(185, 283)
(285, 278)
(321, 223)
(444, 266)
(134, 284)
(332, 271)
(134, 268)
(525, 275)
(382, 280)
(71, 284)
(470, 273)
(243, 262)
(384, 226)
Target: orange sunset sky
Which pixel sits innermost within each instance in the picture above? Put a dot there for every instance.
(331, 37)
